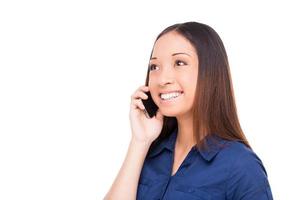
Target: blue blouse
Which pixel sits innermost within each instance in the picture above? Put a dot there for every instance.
(229, 171)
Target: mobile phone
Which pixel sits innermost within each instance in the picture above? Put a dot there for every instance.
(150, 107)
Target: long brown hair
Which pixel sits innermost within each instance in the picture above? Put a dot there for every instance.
(214, 108)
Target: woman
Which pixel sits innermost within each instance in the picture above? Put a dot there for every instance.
(194, 148)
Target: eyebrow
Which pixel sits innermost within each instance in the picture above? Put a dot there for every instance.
(172, 55)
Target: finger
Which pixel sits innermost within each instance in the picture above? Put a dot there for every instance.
(142, 95)
(159, 115)
(141, 105)
(138, 104)
(139, 95)
(143, 88)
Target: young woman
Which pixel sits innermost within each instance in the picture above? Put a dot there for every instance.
(194, 148)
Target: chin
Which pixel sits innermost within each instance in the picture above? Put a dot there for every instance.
(175, 112)
(170, 112)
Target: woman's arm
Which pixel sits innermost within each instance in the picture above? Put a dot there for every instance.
(125, 185)
(144, 132)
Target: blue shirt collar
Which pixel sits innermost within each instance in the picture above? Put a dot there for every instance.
(214, 145)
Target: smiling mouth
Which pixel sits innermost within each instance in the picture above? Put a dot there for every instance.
(170, 98)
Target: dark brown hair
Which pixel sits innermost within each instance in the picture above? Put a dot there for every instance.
(214, 109)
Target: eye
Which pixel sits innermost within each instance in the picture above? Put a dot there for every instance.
(152, 66)
(179, 61)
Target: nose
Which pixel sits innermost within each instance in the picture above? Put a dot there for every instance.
(166, 76)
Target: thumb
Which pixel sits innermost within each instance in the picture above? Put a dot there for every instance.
(159, 115)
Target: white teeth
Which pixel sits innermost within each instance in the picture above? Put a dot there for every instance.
(170, 95)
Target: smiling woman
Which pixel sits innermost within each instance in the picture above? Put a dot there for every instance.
(194, 148)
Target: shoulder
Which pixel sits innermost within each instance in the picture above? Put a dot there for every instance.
(246, 174)
(242, 157)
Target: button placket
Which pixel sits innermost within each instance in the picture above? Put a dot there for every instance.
(185, 164)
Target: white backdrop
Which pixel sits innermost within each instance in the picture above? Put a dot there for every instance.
(68, 69)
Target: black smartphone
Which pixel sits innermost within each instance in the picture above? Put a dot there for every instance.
(150, 107)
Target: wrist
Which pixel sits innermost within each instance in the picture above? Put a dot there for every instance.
(140, 143)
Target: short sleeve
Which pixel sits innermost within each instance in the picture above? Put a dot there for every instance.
(247, 179)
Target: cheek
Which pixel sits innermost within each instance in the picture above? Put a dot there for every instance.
(190, 82)
(151, 81)
(194, 77)
(154, 94)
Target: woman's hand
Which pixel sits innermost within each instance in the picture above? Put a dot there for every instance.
(143, 129)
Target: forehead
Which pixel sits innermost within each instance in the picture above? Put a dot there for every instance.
(170, 43)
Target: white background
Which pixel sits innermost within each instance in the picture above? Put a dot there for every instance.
(68, 68)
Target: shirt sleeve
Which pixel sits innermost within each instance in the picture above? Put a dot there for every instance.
(247, 179)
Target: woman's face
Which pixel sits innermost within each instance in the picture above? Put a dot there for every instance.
(173, 67)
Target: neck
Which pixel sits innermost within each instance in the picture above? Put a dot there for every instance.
(185, 136)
